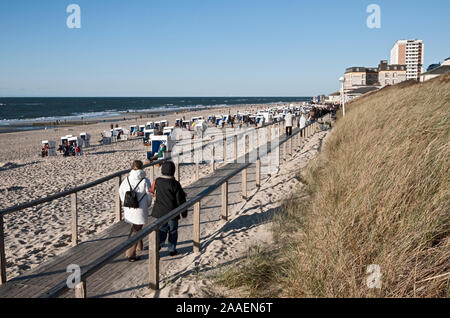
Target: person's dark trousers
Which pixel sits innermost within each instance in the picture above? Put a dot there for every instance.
(288, 130)
(170, 228)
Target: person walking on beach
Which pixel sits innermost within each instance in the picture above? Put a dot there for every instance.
(169, 195)
(288, 119)
(136, 216)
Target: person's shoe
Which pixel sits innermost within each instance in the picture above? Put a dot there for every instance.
(173, 253)
(133, 259)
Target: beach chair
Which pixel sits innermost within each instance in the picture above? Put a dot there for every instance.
(167, 131)
(76, 142)
(187, 124)
(164, 123)
(141, 130)
(259, 121)
(50, 146)
(147, 135)
(149, 125)
(133, 129)
(156, 146)
(86, 138)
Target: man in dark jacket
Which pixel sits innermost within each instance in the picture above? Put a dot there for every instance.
(169, 195)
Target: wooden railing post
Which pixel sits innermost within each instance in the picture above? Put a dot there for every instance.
(290, 145)
(197, 168)
(177, 166)
(258, 172)
(196, 227)
(153, 259)
(2, 252)
(284, 150)
(246, 148)
(235, 148)
(213, 154)
(244, 184)
(225, 201)
(192, 150)
(300, 139)
(152, 173)
(74, 209)
(118, 202)
(224, 147)
(80, 290)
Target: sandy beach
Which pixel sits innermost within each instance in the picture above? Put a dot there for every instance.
(35, 235)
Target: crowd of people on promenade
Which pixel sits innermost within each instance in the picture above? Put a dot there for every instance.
(140, 196)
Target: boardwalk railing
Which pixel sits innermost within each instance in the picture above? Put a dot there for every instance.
(151, 231)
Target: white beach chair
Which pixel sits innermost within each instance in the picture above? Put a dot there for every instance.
(51, 147)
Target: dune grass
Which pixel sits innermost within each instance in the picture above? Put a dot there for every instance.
(378, 193)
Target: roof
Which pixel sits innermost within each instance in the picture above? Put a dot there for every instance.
(438, 70)
(362, 90)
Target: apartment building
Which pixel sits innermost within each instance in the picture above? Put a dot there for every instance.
(391, 74)
(409, 53)
(356, 77)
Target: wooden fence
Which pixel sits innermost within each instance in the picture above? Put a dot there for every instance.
(153, 230)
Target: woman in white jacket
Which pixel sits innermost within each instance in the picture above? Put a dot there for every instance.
(136, 217)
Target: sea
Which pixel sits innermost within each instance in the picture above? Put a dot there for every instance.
(19, 113)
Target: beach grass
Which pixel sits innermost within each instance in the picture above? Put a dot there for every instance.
(378, 194)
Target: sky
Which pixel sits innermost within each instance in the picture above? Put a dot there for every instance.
(204, 47)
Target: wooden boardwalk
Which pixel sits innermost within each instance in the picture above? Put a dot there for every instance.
(36, 282)
(104, 282)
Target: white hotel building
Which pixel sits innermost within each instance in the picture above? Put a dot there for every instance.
(409, 53)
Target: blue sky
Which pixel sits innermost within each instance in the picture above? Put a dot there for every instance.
(204, 47)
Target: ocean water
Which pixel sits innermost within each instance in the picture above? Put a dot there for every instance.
(18, 111)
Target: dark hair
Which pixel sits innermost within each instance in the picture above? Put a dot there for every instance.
(168, 168)
(137, 165)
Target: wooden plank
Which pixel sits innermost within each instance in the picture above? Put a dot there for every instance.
(196, 221)
(225, 201)
(74, 209)
(153, 259)
(2, 252)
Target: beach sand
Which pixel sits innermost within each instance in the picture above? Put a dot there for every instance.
(35, 235)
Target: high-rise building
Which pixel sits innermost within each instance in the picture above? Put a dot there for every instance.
(409, 53)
